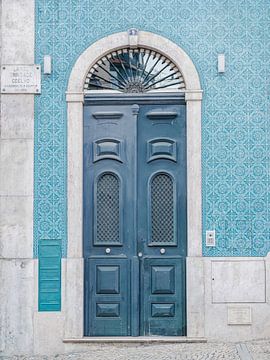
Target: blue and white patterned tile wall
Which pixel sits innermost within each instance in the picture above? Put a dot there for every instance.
(236, 106)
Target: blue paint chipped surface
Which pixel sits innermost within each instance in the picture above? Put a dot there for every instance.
(235, 121)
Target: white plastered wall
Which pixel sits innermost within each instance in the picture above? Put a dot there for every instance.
(17, 267)
(237, 288)
(23, 330)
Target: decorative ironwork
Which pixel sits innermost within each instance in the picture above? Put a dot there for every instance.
(107, 216)
(134, 71)
(162, 210)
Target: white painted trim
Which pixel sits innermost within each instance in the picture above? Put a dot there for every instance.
(74, 98)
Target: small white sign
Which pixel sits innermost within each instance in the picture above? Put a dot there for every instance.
(20, 79)
(239, 315)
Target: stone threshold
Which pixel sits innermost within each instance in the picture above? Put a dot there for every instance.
(136, 339)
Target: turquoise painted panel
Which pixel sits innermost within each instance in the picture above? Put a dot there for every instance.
(49, 274)
(235, 121)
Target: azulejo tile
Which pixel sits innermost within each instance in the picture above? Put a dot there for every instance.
(235, 129)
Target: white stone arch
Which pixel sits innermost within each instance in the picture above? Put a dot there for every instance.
(73, 265)
(145, 39)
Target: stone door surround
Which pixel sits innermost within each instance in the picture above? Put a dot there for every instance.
(73, 265)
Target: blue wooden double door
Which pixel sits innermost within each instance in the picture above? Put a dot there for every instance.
(134, 220)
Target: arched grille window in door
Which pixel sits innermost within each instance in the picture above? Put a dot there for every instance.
(162, 210)
(107, 217)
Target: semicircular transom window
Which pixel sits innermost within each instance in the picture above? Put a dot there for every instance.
(137, 70)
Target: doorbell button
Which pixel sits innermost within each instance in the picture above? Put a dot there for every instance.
(108, 251)
(162, 251)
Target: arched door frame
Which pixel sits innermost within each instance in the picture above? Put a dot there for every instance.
(73, 265)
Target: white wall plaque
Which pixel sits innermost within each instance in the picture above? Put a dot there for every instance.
(239, 315)
(20, 79)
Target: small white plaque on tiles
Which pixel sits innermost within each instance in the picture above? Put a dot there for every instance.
(239, 315)
(20, 79)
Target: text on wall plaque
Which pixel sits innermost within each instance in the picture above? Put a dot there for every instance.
(20, 79)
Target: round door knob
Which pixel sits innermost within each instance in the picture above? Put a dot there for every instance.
(139, 254)
(162, 251)
(108, 251)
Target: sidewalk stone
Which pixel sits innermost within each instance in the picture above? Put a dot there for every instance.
(206, 351)
(259, 350)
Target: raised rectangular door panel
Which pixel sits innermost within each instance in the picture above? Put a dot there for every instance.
(107, 279)
(108, 310)
(163, 310)
(163, 279)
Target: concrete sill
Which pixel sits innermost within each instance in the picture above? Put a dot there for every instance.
(136, 340)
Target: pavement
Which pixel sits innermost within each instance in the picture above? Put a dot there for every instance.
(255, 350)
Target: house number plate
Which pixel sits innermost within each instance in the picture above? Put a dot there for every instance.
(20, 79)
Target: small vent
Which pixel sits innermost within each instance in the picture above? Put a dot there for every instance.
(162, 210)
(108, 210)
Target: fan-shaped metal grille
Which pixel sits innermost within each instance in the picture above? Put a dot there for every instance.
(162, 210)
(134, 71)
(108, 224)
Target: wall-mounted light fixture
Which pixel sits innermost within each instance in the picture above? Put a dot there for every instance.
(221, 63)
(47, 65)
